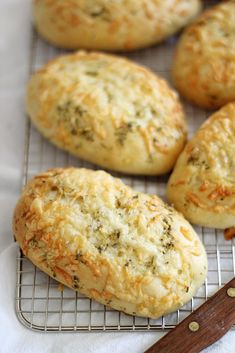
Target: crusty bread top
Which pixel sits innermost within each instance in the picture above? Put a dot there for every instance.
(84, 99)
(204, 65)
(139, 250)
(202, 185)
(111, 25)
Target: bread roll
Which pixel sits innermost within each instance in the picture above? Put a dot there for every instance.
(125, 249)
(108, 111)
(111, 25)
(204, 64)
(202, 185)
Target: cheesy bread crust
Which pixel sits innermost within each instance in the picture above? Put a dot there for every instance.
(202, 185)
(204, 64)
(111, 25)
(125, 249)
(108, 111)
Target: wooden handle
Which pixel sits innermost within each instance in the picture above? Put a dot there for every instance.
(203, 327)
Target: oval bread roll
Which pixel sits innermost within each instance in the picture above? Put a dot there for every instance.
(109, 111)
(111, 25)
(125, 249)
(202, 185)
(204, 64)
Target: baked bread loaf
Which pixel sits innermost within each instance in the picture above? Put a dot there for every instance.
(202, 185)
(125, 249)
(111, 25)
(109, 111)
(204, 64)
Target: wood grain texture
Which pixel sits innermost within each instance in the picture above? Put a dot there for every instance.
(215, 317)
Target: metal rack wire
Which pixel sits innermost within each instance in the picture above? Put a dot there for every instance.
(44, 305)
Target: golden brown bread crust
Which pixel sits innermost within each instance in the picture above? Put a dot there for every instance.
(204, 65)
(111, 25)
(108, 111)
(202, 185)
(125, 249)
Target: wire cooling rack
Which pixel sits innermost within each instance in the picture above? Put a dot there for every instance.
(44, 305)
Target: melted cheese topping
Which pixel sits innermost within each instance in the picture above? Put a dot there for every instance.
(204, 66)
(202, 185)
(84, 101)
(102, 24)
(123, 248)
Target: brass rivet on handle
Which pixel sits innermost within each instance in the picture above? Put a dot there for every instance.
(231, 292)
(194, 326)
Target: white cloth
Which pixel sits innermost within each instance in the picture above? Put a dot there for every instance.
(14, 338)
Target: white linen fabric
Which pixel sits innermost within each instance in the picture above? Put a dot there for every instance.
(14, 338)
